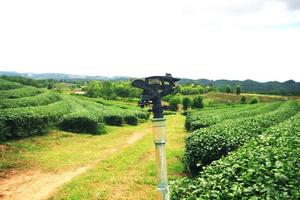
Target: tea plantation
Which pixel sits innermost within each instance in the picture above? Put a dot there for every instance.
(240, 153)
(27, 111)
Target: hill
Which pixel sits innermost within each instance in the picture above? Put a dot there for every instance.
(289, 87)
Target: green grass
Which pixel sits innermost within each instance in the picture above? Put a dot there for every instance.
(131, 173)
(128, 173)
(60, 150)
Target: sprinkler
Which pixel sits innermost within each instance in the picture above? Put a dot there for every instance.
(154, 88)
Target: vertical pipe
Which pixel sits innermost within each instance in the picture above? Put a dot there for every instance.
(159, 137)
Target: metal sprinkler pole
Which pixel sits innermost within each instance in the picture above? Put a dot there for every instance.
(154, 88)
(159, 134)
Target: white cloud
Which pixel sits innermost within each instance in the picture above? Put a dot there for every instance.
(232, 39)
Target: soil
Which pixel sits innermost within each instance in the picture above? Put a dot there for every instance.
(39, 185)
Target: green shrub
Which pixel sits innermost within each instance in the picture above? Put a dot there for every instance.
(212, 119)
(38, 100)
(254, 100)
(173, 103)
(206, 145)
(29, 121)
(131, 119)
(113, 120)
(267, 167)
(81, 122)
(186, 103)
(19, 92)
(243, 100)
(198, 102)
(8, 85)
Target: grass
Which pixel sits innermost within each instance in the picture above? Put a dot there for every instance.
(225, 98)
(131, 173)
(61, 150)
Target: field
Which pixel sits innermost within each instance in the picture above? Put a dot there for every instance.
(61, 146)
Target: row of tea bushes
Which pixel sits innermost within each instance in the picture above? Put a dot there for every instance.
(82, 122)
(208, 144)
(267, 167)
(25, 91)
(38, 100)
(114, 115)
(28, 121)
(193, 116)
(8, 85)
(202, 121)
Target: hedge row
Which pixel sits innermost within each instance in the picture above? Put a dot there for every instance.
(192, 116)
(202, 121)
(267, 167)
(113, 115)
(38, 100)
(29, 121)
(206, 145)
(82, 122)
(19, 92)
(8, 85)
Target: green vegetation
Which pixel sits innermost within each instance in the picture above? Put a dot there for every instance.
(186, 103)
(38, 100)
(196, 120)
(174, 102)
(28, 111)
(267, 167)
(244, 146)
(19, 92)
(243, 100)
(197, 102)
(208, 144)
(254, 100)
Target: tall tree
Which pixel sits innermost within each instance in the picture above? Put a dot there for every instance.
(238, 90)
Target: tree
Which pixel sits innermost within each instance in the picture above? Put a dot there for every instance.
(106, 91)
(173, 103)
(93, 89)
(228, 89)
(254, 100)
(238, 90)
(198, 102)
(243, 100)
(186, 103)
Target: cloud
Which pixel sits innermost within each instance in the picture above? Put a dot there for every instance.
(292, 4)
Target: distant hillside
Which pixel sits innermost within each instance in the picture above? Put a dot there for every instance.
(61, 76)
(289, 87)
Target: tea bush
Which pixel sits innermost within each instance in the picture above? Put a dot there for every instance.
(82, 122)
(267, 167)
(211, 119)
(19, 92)
(208, 144)
(38, 100)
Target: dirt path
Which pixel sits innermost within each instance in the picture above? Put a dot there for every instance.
(37, 185)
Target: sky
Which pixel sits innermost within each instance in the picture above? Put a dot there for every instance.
(214, 39)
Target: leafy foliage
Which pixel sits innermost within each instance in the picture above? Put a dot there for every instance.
(19, 92)
(196, 120)
(267, 167)
(38, 100)
(186, 103)
(208, 144)
(82, 122)
(198, 102)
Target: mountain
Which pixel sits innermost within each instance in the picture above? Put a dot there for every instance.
(61, 76)
(289, 87)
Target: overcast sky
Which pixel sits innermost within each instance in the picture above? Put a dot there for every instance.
(229, 39)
